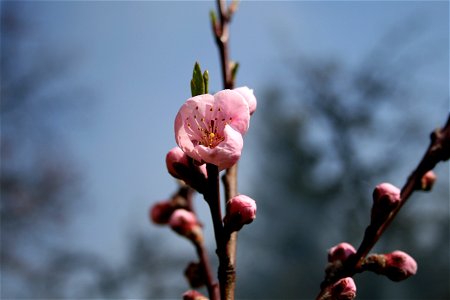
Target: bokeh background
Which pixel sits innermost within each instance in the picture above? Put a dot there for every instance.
(348, 93)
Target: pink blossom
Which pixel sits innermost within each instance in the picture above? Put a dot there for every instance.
(173, 157)
(178, 165)
(185, 223)
(427, 181)
(399, 265)
(209, 128)
(248, 96)
(386, 197)
(386, 190)
(344, 289)
(194, 295)
(160, 212)
(340, 252)
(182, 220)
(241, 210)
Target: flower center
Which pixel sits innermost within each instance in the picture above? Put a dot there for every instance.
(210, 137)
(207, 130)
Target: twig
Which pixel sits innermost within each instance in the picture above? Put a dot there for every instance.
(230, 184)
(227, 267)
(212, 197)
(221, 33)
(213, 287)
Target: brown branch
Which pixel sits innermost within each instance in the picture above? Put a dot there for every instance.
(221, 33)
(230, 184)
(438, 150)
(212, 287)
(227, 255)
(212, 197)
(226, 271)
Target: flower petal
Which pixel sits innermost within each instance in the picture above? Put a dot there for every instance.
(248, 96)
(234, 109)
(186, 133)
(227, 153)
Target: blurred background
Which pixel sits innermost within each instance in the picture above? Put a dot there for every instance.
(348, 93)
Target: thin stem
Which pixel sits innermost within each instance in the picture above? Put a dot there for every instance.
(227, 254)
(226, 271)
(230, 184)
(221, 33)
(213, 287)
(212, 197)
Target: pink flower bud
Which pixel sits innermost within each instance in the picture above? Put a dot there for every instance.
(193, 295)
(241, 210)
(396, 266)
(173, 157)
(399, 266)
(185, 223)
(427, 181)
(248, 96)
(343, 289)
(178, 165)
(340, 252)
(160, 212)
(386, 198)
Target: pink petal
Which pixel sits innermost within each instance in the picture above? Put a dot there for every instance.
(234, 109)
(185, 124)
(209, 128)
(227, 153)
(248, 96)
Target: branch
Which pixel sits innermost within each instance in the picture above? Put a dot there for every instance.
(438, 150)
(213, 287)
(227, 267)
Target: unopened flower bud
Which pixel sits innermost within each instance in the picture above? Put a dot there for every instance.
(185, 223)
(160, 212)
(195, 275)
(240, 210)
(248, 96)
(343, 289)
(180, 167)
(340, 252)
(427, 181)
(386, 198)
(397, 266)
(194, 295)
(173, 157)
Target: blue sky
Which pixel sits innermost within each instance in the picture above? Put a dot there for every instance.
(136, 59)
